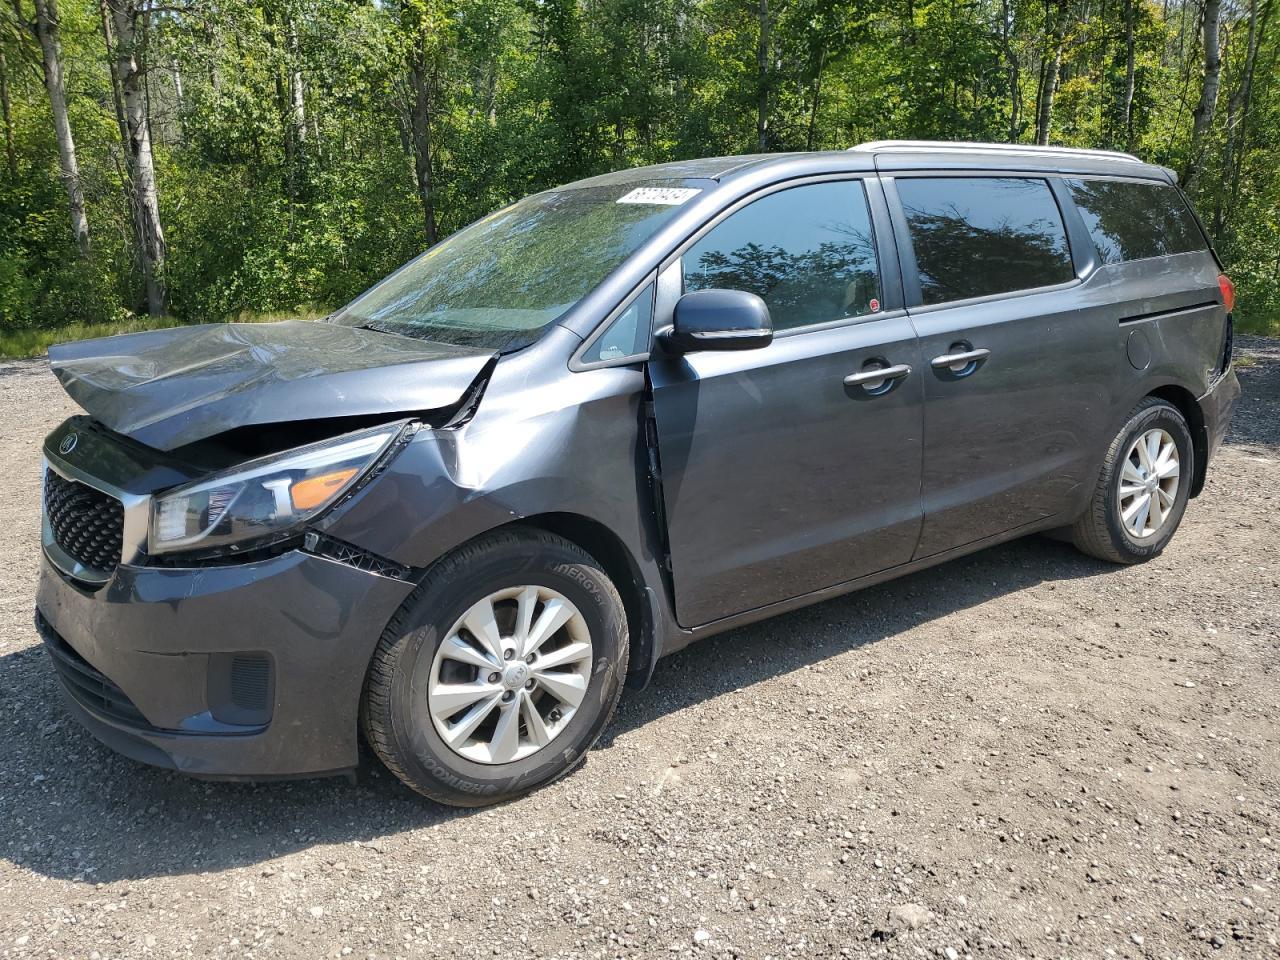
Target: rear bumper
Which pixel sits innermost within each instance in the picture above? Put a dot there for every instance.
(147, 661)
(1218, 407)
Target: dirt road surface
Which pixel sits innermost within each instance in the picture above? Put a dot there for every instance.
(1026, 753)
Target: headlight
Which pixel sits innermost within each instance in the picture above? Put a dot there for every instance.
(264, 499)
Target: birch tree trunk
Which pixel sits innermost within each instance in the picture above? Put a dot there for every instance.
(1013, 69)
(47, 31)
(1202, 116)
(1126, 107)
(1049, 71)
(126, 15)
(297, 100)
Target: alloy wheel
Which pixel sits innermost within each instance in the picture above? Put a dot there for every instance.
(1148, 483)
(510, 674)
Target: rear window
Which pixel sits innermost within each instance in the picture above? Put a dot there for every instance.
(1132, 220)
(978, 236)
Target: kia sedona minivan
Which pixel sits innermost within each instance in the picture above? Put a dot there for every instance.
(459, 515)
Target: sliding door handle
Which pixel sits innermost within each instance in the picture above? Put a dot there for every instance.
(877, 376)
(958, 361)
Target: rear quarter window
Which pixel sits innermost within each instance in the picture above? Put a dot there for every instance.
(979, 236)
(1135, 220)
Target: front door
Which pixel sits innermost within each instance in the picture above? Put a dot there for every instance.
(779, 478)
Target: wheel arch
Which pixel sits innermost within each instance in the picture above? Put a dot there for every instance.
(607, 547)
(1185, 401)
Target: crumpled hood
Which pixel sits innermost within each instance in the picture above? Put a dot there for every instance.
(167, 388)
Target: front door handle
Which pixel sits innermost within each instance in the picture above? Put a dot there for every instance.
(958, 361)
(877, 376)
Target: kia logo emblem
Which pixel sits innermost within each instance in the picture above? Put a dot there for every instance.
(68, 443)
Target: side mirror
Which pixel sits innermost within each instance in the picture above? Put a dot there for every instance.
(718, 320)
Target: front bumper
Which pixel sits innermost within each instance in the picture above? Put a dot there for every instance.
(146, 668)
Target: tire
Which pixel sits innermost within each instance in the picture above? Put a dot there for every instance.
(400, 712)
(1100, 531)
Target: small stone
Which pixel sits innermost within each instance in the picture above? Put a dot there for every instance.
(21, 941)
(952, 953)
(1137, 938)
(909, 915)
(701, 936)
(316, 912)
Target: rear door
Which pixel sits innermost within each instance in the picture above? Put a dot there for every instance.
(778, 477)
(1016, 374)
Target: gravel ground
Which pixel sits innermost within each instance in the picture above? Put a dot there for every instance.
(1023, 753)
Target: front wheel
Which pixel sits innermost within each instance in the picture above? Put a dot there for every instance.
(499, 672)
(1142, 489)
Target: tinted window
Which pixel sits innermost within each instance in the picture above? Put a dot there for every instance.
(628, 335)
(977, 236)
(808, 252)
(1132, 221)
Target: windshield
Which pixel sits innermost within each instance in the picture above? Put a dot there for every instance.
(501, 280)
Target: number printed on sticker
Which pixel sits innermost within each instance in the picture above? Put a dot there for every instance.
(669, 196)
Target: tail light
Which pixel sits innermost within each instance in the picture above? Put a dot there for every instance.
(1228, 291)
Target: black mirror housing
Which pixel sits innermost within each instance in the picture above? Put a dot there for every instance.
(718, 320)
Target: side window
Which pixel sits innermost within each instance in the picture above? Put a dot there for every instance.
(807, 251)
(1132, 220)
(978, 236)
(628, 334)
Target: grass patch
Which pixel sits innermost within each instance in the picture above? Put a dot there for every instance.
(35, 343)
(1258, 324)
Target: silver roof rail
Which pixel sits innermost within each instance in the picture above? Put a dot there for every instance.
(944, 146)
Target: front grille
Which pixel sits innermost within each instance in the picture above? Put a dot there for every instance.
(87, 524)
(87, 685)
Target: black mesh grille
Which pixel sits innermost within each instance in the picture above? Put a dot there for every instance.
(250, 681)
(87, 523)
(88, 686)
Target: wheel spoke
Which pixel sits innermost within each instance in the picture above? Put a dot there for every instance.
(1130, 473)
(1166, 498)
(1144, 455)
(455, 648)
(481, 624)
(555, 614)
(537, 727)
(526, 604)
(448, 698)
(457, 734)
(1168, 467)
(1157, 512)
(506, 734)
(1136, 515)
(1153, 449)
(569, 687)
(1128, 490)
(570, 653)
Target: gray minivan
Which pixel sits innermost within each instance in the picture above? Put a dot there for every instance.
(461, 513)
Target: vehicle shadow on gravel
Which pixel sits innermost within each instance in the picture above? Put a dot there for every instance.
(74, 810)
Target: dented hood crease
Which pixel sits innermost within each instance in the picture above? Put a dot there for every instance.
(167, 388)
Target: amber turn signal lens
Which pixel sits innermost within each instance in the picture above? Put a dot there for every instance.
(1228, 291)
(312, 492)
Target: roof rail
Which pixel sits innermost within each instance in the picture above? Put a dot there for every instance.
(944, 146)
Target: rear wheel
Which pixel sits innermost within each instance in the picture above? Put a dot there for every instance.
(1142, 489)
(499, 672)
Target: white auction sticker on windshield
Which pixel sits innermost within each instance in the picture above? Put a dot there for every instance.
(668, 196)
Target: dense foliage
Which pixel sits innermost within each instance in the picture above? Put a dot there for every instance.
(239, 155)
